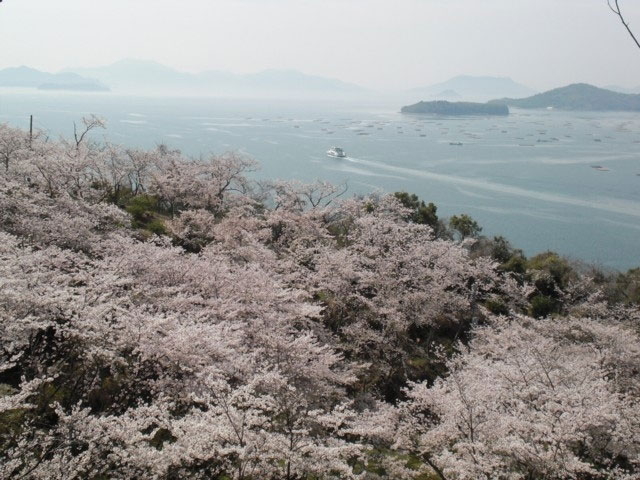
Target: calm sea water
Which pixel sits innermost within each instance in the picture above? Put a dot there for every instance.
(529, 176)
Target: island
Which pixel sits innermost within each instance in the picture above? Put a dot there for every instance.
(578, 96)
(25, 77)
(441, 107)
(75, 87)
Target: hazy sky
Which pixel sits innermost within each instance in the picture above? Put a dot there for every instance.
(385, 44)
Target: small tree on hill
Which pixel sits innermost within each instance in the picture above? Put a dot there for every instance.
(465, 226)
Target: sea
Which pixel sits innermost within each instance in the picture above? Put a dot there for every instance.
(544, 179)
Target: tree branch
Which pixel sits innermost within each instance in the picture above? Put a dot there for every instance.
(618, 12)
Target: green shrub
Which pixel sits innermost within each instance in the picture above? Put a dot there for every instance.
(516, 264)
(627, 286)
(141, 207)
(557, 267)
(542, 306)
(496, 307)
(156, 226)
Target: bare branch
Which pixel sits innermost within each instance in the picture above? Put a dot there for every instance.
(618, 12)
(90, 123)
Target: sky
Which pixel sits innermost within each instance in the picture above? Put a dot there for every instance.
(379, 44)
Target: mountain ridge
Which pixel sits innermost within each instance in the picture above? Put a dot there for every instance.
(476, 87)
(130, 74)
(578, 97)
(28, 77)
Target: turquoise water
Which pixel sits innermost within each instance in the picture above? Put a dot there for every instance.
(529, 176)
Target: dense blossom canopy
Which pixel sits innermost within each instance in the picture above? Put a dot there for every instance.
(162, 317)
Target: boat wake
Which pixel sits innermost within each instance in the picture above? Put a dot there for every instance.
(624, 207)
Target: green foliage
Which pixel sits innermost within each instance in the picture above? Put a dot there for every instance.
(499, 249)
(554, 265)
(627, 286)
(496, 307)
(465, 226)
(156, 226)
(376, 458)
(144, 210)
(422, 213)
(516, 264)
(141, 207)
(542, 306)
(119, 196)
(618, 287)
(11, 421)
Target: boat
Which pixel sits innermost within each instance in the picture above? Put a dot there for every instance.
(336, 152)
(457, 144)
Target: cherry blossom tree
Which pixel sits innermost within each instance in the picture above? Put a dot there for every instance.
(531, 399)
(280, 331)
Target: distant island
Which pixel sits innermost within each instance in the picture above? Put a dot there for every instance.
(441, 107)
(25, 77)
(579, 96)
(75, 87)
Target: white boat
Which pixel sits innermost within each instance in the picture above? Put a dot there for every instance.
(336, 152)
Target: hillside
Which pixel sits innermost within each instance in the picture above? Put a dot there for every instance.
(579, 96)
(441, 107)
(166, 317)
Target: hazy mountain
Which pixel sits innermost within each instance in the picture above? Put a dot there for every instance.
(579, 96)
(619, 89)
(291, 79)
(146, 76)
(447, 95)
(134, 74)
(32, 78)
(477, 88)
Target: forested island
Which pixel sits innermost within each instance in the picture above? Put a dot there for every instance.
(442, 107)
(579, 96)
(167, 317)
